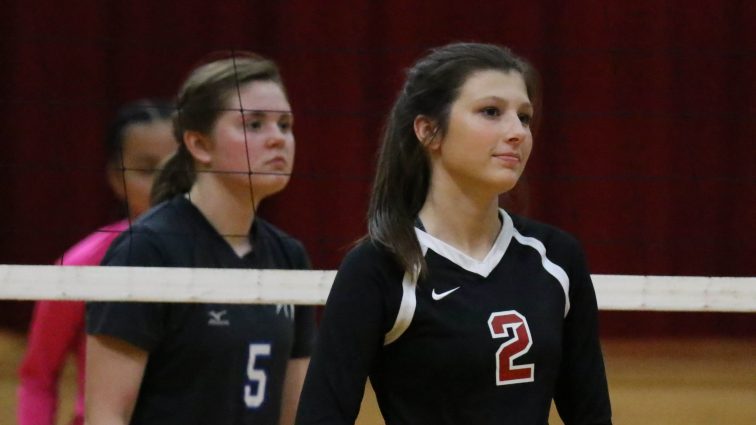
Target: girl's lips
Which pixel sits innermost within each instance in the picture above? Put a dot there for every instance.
(511, 158)
(278, 161)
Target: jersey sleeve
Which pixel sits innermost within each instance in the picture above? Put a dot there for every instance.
(56, 328)
(349, 339)
(581, 394)
(141, 324)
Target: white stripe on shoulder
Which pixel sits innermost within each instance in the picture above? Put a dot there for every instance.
(553, 269)
(406, 308)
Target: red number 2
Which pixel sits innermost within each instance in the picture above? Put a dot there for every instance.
(500, 324)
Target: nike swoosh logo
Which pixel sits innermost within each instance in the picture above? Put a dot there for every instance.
(436, 296)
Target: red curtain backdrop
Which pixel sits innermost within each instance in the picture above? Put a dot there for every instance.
(646, 152)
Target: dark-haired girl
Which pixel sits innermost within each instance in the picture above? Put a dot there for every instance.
(458, 311)
(139, 138)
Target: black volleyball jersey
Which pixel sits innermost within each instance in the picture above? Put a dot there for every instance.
(473, 343)
(208, 363)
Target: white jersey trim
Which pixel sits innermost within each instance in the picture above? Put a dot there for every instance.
(406, 308)
(483, 267)
(559, 274)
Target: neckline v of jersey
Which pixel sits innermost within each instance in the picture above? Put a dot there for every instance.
(201, 220)
(483, 267)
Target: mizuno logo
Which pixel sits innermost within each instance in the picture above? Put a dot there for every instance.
(287, 309)
(216, 318)
(436, 296)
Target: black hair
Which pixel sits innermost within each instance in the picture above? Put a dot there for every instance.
(136, 112)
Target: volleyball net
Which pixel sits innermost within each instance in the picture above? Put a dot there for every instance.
(244, 286)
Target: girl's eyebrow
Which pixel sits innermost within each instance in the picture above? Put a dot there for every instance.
(258, 111)
(257, 114)
(260, 114)
(525, 104)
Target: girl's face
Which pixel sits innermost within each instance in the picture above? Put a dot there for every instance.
(145, 146)
(488, 140)
(255, 145)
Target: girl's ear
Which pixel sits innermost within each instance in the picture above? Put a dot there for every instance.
(200, 146)
(426, 132)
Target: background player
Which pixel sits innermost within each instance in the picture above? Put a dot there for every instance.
(458, 311)
(208, 363)
(138, 139)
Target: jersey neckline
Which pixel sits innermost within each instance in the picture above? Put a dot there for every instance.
(201, 220)
(482, 267)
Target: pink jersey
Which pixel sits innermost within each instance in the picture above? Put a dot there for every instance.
(57, 328)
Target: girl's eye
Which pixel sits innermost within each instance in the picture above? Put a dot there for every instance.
(525, 119)
(254, 125)
(142, 169)
(284, 126)
(491, 112)
(148, 172)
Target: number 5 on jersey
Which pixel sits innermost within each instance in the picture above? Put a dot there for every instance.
(511, 324)
(254, 392)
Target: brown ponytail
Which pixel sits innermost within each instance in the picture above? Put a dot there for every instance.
(176, 177)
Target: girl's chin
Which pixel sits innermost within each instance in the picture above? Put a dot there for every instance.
(506, 183)
(269, 184)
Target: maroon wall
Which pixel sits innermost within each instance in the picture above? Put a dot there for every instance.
(646, 152)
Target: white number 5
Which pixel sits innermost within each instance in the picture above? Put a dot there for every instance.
(256, 375)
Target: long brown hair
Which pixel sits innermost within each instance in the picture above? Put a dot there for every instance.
(403, 172)
(203, 96)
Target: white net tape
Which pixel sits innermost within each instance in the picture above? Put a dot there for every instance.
(614, 292)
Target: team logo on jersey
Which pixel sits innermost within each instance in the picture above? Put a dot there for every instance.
(216, 318)
(286, 309)
(436, 296)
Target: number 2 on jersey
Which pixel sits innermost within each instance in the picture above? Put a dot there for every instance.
(254, 395)
(511, 324)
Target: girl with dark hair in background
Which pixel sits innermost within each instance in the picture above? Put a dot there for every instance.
(168, 363)
(139, 138)
(458, 311)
